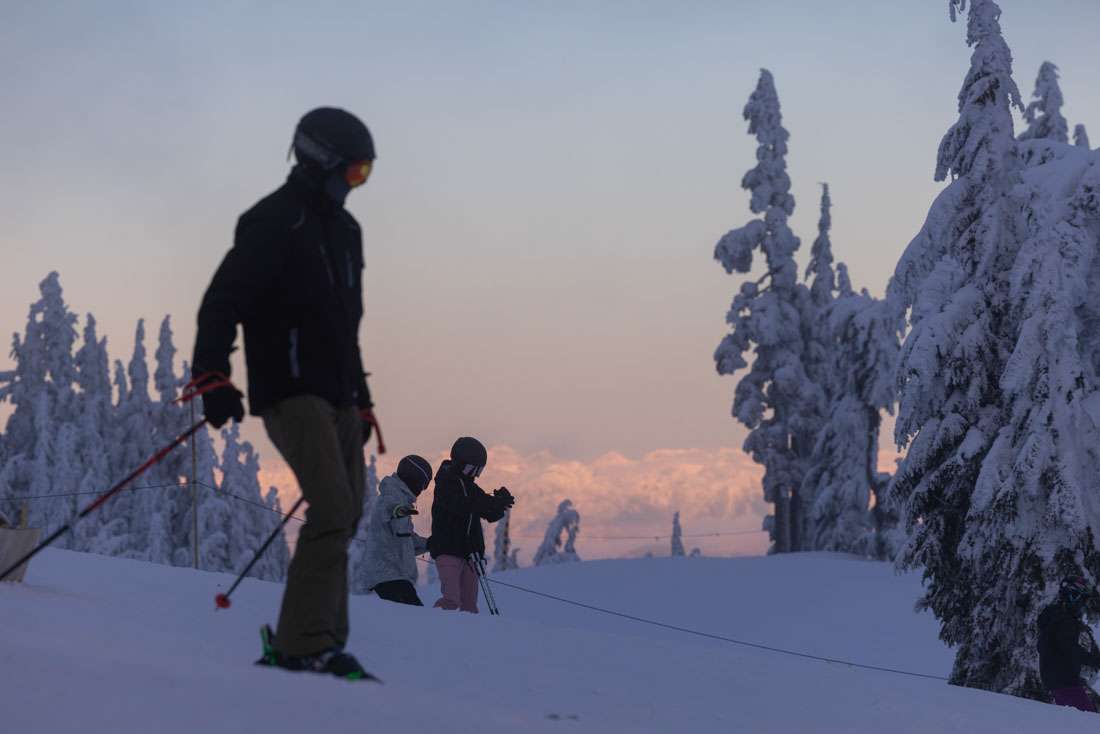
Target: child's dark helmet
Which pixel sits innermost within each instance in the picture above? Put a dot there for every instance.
(468, 451)
(1075, 589)
(415, 472)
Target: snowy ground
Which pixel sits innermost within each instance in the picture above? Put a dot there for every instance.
(93, 644)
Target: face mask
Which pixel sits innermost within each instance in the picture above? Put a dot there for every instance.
(336, 187)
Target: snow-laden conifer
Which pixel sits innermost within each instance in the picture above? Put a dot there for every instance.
(256, 515)
(1080, 136)
(777, 400)
(357, 549)
(41, 437)
(677, 544)
(568, 521)
(504, 555)
(1034, 517)
(1044, 113)
(953, 282)
(94, 412)
(854, 348)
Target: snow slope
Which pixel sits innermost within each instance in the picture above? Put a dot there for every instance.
(94, 644)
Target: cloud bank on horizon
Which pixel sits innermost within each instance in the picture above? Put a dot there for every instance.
(714, 491)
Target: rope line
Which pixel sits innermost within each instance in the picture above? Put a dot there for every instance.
(707, 634)
(591, 607)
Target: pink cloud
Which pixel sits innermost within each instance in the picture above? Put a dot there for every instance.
(716, 492)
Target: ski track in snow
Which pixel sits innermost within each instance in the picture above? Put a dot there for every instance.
(93, 644)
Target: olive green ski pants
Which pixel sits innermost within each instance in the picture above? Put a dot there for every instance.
(324, 447)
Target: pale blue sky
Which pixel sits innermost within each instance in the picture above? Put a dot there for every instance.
(552, 178)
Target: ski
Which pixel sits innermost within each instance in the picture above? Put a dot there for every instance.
(277, 660)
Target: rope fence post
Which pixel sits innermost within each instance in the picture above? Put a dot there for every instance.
(194, 490)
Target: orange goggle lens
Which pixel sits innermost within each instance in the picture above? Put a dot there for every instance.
(357, 173)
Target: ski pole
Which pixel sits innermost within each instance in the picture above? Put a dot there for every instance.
(479, 568)
(494, 609)
(103, 498)
(222, 600)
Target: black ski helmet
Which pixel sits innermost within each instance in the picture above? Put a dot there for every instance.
(415, 472)
(1075, 589)
(328, 136)
(468, 451)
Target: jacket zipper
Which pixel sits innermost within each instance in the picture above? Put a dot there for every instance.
(295, 371)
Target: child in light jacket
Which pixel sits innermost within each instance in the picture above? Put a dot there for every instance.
(392, 545)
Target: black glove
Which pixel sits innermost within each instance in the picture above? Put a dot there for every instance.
(505, 496)
(405, 511)
(221, 404)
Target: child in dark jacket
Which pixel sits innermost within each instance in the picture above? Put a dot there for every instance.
(1060, 652)
(457, 511)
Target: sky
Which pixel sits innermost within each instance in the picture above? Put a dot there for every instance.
(551, 181)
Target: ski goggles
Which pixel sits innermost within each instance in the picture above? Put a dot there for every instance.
(471, 470)
(357, 173)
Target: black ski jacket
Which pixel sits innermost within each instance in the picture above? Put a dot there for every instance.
(1060, 653)
(293, 279)
(457, 511)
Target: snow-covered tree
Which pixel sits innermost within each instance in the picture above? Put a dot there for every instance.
(777, 400)
(1044, 114)
(256, 515)
(1033, 517)
(94, 413)
(677, 543)
(567, 520)
(844, 476)
(851, 347)
(1080, 136)
(42, 435)
(995, 482)
(357, 558)
(162, 515)
(504, 555)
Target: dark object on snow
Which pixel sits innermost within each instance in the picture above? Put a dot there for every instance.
(402, 592)
(333, 661)
(415, 472)
(1060, 653)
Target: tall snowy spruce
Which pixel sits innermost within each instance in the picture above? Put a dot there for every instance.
(257, 515)
(505, 556)
(999, 482)
(357, 549)
(1080, 136)
(1043, 115)
(856, 351)
(568, 520)
(677, 544)
(777, 400)
(41, 440)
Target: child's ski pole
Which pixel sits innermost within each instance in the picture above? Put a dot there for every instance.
(479, 567)
(222, 600)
